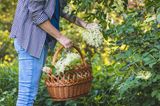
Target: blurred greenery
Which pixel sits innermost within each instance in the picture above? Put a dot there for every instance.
(126, 69)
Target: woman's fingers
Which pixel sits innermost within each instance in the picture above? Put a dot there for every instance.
(67, 43)
(70, 44)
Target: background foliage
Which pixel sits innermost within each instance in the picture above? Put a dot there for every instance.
(126, 69)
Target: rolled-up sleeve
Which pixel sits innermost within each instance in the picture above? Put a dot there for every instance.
(36, 9)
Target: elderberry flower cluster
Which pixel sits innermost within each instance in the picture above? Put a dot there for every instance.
(93, 36)
(71, 59)
(46, 69)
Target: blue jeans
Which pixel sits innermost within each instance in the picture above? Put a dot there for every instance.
(30, 71)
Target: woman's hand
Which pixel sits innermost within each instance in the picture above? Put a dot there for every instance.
(67, 43)
(90, 25)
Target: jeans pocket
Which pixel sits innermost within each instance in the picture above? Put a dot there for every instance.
(17, 46)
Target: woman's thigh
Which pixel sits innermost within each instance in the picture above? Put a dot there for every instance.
(30, 70)
(30, 66)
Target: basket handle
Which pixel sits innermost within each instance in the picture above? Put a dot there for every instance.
(54, 58)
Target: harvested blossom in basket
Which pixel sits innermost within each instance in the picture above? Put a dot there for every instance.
(71, 59)
(93, 36)
(46, 69)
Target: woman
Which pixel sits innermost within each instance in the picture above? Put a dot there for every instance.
(35, 28)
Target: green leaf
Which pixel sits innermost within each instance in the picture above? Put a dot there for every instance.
(158, 18)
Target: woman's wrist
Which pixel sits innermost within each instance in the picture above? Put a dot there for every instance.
(59, 37)
(80, 23)
(85, 25)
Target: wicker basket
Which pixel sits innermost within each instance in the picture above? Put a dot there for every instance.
(73, 83)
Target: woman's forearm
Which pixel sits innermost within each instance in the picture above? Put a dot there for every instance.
(74, 19)
(80, 22)
(50, 29)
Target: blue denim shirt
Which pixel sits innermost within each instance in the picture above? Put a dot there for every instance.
(55, 23)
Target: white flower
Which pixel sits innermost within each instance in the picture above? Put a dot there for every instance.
(68, 9)
(46, 69)
(144, 75)
(93, 35)
(62, 63)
